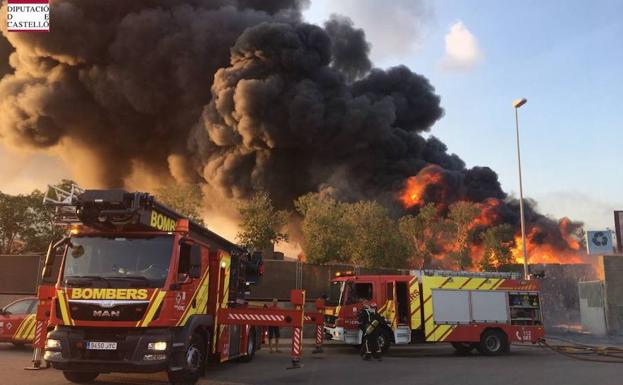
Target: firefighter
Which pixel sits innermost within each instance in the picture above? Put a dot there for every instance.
(370, 323)
(273, 331)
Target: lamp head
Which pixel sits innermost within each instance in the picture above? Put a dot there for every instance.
(519, 102)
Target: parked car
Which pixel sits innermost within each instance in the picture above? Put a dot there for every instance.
(17, 321)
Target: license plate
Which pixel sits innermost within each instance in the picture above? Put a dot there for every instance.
(98, 345)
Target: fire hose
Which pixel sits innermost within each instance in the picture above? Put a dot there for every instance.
(584, 352)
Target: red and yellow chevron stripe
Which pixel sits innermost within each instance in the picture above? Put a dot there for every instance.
(26, 330)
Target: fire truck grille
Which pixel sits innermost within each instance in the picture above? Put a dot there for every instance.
(112, 355)
(95, 312)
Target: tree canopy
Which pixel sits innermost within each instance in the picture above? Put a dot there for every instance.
(261, 223)
(373, 237)
(362, 233)
(423, 233)
(25, 223)
(497, 243)
(323, 228)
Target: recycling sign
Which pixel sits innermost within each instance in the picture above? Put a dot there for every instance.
(599, 242)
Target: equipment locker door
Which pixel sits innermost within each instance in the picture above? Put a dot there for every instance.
(415, 304)
(388, 310)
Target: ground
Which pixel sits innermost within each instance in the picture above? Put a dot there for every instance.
(416, 364)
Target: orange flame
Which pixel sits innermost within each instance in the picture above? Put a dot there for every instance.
(415, 186)
(430, 185)
(546, 253)
(489, 215)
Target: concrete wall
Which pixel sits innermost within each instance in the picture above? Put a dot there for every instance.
(6, 299)
(19, 273)
(281, 276)
(592, 307)
(611, 267)
(559, 293)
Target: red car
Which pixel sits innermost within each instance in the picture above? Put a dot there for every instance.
(17, 321)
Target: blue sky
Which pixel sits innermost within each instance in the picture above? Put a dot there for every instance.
(565, 57)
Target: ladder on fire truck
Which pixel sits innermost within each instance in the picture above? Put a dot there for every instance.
(103, 209)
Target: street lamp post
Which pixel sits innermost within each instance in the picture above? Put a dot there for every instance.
(516, 104)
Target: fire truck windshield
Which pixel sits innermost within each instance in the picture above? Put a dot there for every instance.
(336, 293)
(117, 262)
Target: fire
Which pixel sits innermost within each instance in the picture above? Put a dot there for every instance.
(545, 242)
(414, 192)
(565, 231)
(489, 213)
(545, 252)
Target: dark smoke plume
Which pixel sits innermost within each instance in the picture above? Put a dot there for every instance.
(349, 47)
(5, 50)
(125, 80)
(283, 119)
(240, 95)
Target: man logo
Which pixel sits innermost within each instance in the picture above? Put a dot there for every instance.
(106, 313)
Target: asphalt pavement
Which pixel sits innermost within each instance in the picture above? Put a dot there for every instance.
(341, 365)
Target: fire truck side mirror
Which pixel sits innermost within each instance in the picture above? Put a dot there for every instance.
(50, 257)
(254, 268)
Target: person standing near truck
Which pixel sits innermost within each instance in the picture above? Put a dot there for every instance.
(273, 332)
(370, 324)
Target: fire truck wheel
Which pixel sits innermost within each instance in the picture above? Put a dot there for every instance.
(194, 363)
(385, 341)
(493, 343)
(250, 347)
(80, 377)
(463, 348)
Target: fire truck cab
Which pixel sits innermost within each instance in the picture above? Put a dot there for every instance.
(139, 288)
(483, 311)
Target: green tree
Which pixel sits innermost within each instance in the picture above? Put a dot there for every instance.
(261, 224)
(26, 225)
(324, 233)
(373, 238)
(423, 233)
(460, 218)
(497, 243)
(15, 216)
(185, 198)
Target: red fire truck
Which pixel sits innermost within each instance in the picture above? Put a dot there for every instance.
(137, 287)
(483, 311)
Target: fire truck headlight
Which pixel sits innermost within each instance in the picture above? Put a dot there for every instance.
(52, 344)
(157, 346)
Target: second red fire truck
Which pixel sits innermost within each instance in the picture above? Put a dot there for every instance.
(483, 311)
